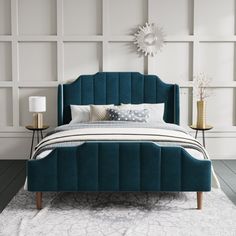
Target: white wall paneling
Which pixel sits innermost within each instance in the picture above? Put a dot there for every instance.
(175, 62)
(41, 58)
(175, 16)
(82, 17)
(37, 17)
(6, 117)
(46, 42)
(15, 147)
(80, 57)
(117, 61)
(221, 57)
(186, 106)
(221, 107)
(215, 17)
(5, 17)
(5, 61)
(133, 13)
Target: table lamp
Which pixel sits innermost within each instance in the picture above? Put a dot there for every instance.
(37, 105)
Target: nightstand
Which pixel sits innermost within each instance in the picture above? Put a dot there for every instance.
(39, 132)
(208, 127)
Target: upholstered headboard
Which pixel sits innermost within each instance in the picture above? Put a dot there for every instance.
(116, 88)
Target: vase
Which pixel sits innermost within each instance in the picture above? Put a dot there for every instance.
(201, 114)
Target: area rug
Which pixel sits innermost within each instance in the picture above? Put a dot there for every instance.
(116, 214)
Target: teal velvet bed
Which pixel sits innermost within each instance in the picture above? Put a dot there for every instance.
(120, 165)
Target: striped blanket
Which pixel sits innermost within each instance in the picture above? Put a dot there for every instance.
(161, 133)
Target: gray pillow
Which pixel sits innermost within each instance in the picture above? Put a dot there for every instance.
(128, 115)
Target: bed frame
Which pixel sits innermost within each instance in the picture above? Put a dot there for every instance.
(118, 166)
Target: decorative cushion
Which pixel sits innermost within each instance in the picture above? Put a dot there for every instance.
(79, 113)
(156, 110)
(128, 115)
(98, 112)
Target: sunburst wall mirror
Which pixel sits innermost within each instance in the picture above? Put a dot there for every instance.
(149, 39)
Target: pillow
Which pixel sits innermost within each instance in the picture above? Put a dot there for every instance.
(99, 112)
(156, 110)
(128, 115)
(79, 113)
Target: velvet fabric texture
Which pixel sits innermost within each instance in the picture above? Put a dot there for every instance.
(116, 88)
(119, 166)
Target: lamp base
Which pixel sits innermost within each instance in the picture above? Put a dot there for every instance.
(38, 120)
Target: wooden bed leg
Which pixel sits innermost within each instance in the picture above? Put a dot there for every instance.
(39, 200)
(199, 200)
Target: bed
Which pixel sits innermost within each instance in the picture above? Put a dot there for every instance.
(123, 159)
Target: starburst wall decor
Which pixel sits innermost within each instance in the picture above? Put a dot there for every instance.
(149, 39)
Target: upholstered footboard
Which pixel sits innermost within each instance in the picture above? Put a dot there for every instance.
(119, 166)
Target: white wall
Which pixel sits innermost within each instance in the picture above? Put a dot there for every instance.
(47, 42)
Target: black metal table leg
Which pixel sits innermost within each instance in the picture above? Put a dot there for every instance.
(41, 134)
(38, 132)
(38, 136)
(32, 144)
(203, 129)
(203, 138)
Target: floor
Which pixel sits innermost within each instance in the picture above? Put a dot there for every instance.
(12, 176)
(226, 172)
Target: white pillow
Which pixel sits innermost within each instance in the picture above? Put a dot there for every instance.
(156, 110)
(99, 112)
(79, 113)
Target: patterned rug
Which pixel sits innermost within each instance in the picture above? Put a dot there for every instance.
(116, 214)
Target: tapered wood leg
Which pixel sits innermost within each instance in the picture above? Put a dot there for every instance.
(39, 200)
(199, 200)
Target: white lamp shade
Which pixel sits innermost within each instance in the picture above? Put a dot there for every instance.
(37, 104)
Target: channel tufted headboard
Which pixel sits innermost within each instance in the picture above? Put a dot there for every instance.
(116, 88)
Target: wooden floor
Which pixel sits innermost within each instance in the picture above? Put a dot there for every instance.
(226, 172)
(12, 177)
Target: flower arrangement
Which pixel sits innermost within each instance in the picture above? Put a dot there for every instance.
(200, 86)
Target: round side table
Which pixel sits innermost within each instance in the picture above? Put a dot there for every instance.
(208, 127)
(39, 132)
